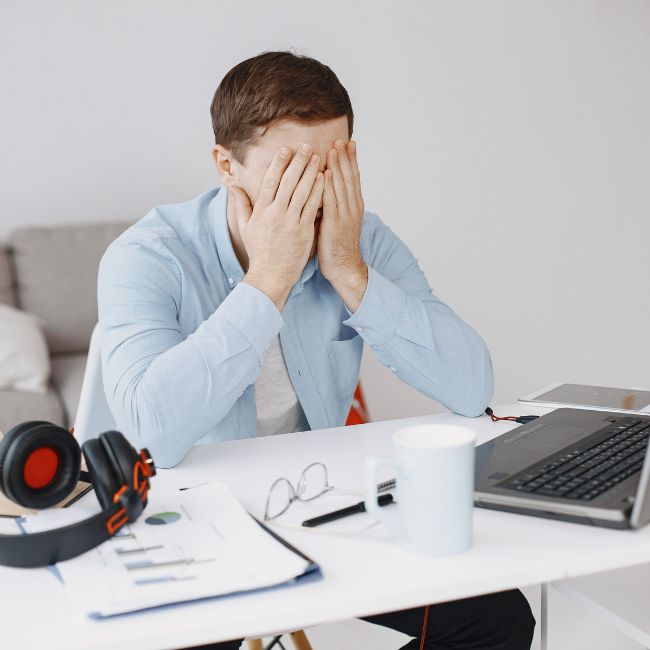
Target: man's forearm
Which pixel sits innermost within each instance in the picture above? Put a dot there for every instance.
(425, 344)
(170, 402)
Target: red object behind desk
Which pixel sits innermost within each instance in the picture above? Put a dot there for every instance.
(358, 411)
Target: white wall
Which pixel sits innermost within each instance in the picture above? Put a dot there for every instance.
(507, 142)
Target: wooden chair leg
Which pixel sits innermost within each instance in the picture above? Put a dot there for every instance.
(255, 644)
(300, 640)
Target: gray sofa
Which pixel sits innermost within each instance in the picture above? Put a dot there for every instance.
(52, 272)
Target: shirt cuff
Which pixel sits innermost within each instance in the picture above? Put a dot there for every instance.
(381, 310)
(254, 314)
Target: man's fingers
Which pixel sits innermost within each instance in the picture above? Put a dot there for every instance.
(352, 154)
(346, 172)
(303, 190)
(329, 199)
(292, 175)
(243, 207)
(339, 184)
(273, 176)
(311, 206)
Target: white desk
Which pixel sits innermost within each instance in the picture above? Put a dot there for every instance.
(361, 576)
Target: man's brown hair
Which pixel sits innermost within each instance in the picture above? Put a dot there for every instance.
(274, 86)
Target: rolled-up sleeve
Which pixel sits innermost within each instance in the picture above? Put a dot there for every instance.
(415, 334)
(166, 389)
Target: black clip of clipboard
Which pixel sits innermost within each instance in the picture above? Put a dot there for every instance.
(313, 569)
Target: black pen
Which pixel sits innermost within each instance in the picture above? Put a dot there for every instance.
(383, 500)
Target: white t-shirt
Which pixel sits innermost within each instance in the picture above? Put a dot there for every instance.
(278, 408)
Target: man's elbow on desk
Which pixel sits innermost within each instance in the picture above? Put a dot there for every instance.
(471, 409)
(475, 398)
(164, 455)
(470, 394)
(157, 442)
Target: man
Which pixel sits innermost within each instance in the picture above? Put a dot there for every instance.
(244, 311)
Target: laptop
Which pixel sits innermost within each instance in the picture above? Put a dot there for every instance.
(578, 465)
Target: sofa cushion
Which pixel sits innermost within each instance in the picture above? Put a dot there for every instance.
(24, 359)
(18, 406)
(67, 377)
(56, 278)
(6, 278)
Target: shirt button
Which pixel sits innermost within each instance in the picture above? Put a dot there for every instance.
(231, 281)
(393, 368)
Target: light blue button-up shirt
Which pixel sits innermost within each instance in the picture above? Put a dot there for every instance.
(183, 339)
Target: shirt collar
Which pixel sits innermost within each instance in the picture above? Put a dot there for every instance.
(229, 262)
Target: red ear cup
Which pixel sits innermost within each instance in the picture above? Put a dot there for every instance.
(39, 464)
(102, 473)
(10, 437)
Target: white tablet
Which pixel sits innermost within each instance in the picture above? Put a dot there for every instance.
(600, 398)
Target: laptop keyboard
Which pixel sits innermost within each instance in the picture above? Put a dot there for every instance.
(585, 473)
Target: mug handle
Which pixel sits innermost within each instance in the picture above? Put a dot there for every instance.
(387, 517)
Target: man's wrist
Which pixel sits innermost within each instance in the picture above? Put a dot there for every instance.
(277, 293)
(351, 283)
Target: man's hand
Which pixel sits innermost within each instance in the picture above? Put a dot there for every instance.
(339, 251)
(279, 232)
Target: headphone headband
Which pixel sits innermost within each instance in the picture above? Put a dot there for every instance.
(51, 546)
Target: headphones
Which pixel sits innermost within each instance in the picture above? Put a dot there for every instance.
(40, 465)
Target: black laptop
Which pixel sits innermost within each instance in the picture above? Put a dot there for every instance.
(577, 465)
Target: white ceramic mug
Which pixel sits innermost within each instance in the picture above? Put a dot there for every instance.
(434, 467)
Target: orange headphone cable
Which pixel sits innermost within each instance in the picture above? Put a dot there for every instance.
(424, 627)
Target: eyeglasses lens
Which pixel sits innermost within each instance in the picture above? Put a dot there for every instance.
(280, 498)
(313, 482)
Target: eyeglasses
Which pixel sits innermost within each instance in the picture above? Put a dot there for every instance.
(313, 483)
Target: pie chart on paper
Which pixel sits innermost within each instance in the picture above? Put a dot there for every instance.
(161, 518)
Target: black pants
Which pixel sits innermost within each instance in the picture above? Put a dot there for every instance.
(501, 621)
